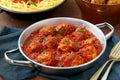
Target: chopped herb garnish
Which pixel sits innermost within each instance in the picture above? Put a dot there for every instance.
(30, 40)
(67, 54)
(78, 54)
(31, 2)
(60, 30)
(43, 52)
(81, 30)
(49, 30)
(67, 42)
(56, 35)
(61, 36)
(34, 49)
(41, 60)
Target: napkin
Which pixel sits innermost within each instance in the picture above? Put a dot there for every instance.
(9, 40)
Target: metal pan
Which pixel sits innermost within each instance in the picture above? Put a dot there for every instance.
(55, 21)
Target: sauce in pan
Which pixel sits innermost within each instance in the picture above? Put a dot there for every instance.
(63, 45)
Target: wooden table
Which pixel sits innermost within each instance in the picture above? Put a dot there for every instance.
(69, 9)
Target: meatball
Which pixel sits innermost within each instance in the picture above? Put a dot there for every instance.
(47, 30)
(81, 34)
(65, 29)
(92, 41)
(51, 42)
(46, 58)
(66, 44)
(70, 59)
(33, 46)
(88, 53)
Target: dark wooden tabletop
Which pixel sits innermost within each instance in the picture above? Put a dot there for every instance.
(69, 9)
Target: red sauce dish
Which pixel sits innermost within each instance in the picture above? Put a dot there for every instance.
(63, 45)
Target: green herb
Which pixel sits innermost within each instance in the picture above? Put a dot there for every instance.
(31, 3)
(60, 30)
(67, 54)
(55, 35)
(30, 40)
(67, 42)
(41, 60)
(78, 54)
(43, 52)
(61, 36)
(34, 49)
(49, 31)
(81, 30)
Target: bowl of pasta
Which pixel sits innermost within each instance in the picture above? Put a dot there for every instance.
(61, 45)
(29, 9)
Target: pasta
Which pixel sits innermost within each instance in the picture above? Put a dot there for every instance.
(24, 7)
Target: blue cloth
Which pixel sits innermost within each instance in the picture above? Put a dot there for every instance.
(9, 39)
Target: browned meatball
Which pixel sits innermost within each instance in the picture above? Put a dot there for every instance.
(46, 58)
(70, 59)
(66, 44)
(65, 29)
(47, 30)
(51, 42)
(81, 34)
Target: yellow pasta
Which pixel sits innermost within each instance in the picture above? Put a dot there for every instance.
(24, 7)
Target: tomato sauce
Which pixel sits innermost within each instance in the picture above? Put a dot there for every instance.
(35, 1)
(63, 45)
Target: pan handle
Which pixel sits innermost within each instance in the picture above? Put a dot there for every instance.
(16, 62)
(105, 24)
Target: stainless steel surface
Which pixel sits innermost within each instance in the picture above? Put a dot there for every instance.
(108, 35)
(16, 62)
(55, 21)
